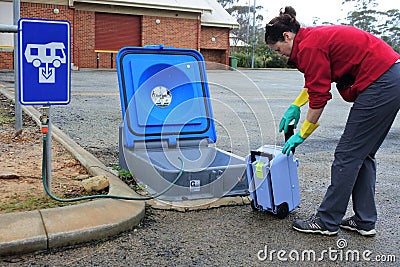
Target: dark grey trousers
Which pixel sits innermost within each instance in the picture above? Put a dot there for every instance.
(353, 171)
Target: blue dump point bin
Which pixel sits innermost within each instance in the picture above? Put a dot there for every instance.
(273, 181)
(167, 115)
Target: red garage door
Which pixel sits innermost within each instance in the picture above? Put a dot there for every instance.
(114, 31)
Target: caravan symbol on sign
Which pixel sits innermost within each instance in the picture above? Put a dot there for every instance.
(51, 53)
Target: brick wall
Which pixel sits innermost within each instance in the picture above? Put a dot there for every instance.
(170, 31)
(215, 58)
(45, 11)
(177, 32)
(84, 55)
(214, 38)
(6, 59)
(214, 46)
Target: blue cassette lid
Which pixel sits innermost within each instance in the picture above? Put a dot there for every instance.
(164, 95)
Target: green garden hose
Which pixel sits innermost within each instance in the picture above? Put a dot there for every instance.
(44, 178)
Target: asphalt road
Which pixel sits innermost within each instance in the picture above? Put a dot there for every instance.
(247, 106)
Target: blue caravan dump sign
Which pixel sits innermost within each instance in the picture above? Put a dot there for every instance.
(44, 62)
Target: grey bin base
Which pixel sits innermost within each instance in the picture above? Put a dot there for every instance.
(208, 172)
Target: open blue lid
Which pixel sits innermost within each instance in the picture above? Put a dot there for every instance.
(164, 95)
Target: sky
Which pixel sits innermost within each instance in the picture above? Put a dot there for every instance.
(326, 10)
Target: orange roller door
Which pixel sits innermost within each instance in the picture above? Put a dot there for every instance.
(113, 31)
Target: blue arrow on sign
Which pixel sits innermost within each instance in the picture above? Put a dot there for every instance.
(44, 60)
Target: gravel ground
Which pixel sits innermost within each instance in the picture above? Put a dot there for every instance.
(229, 236)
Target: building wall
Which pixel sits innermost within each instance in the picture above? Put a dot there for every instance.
(215, 58)
(84, 55)
(214, 38)
(214, 44)
(177, 31)
(6, 59)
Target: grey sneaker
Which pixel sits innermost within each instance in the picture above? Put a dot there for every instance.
(312, 225)
(351, 224)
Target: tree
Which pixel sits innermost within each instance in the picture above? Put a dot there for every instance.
(363, 16)
(227, 3)
(244, 16)
(263, 56)
(391, 29)
(384, 24)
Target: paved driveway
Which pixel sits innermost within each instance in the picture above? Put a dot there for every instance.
(247, 106)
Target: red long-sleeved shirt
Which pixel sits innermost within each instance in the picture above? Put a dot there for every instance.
(324, 54)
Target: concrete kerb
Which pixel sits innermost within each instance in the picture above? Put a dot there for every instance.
(24, 232)
(94, 220)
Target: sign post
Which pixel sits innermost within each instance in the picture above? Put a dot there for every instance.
(44, 69)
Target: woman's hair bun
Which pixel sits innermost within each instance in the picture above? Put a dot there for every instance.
(289, 11)
(285, 22)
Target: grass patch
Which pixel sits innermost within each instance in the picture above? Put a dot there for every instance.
(33, 202)
(127, 177)
(4, 118)
(30, 202)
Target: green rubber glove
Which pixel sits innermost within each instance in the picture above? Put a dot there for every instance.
(292, 142)
(292, 113)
